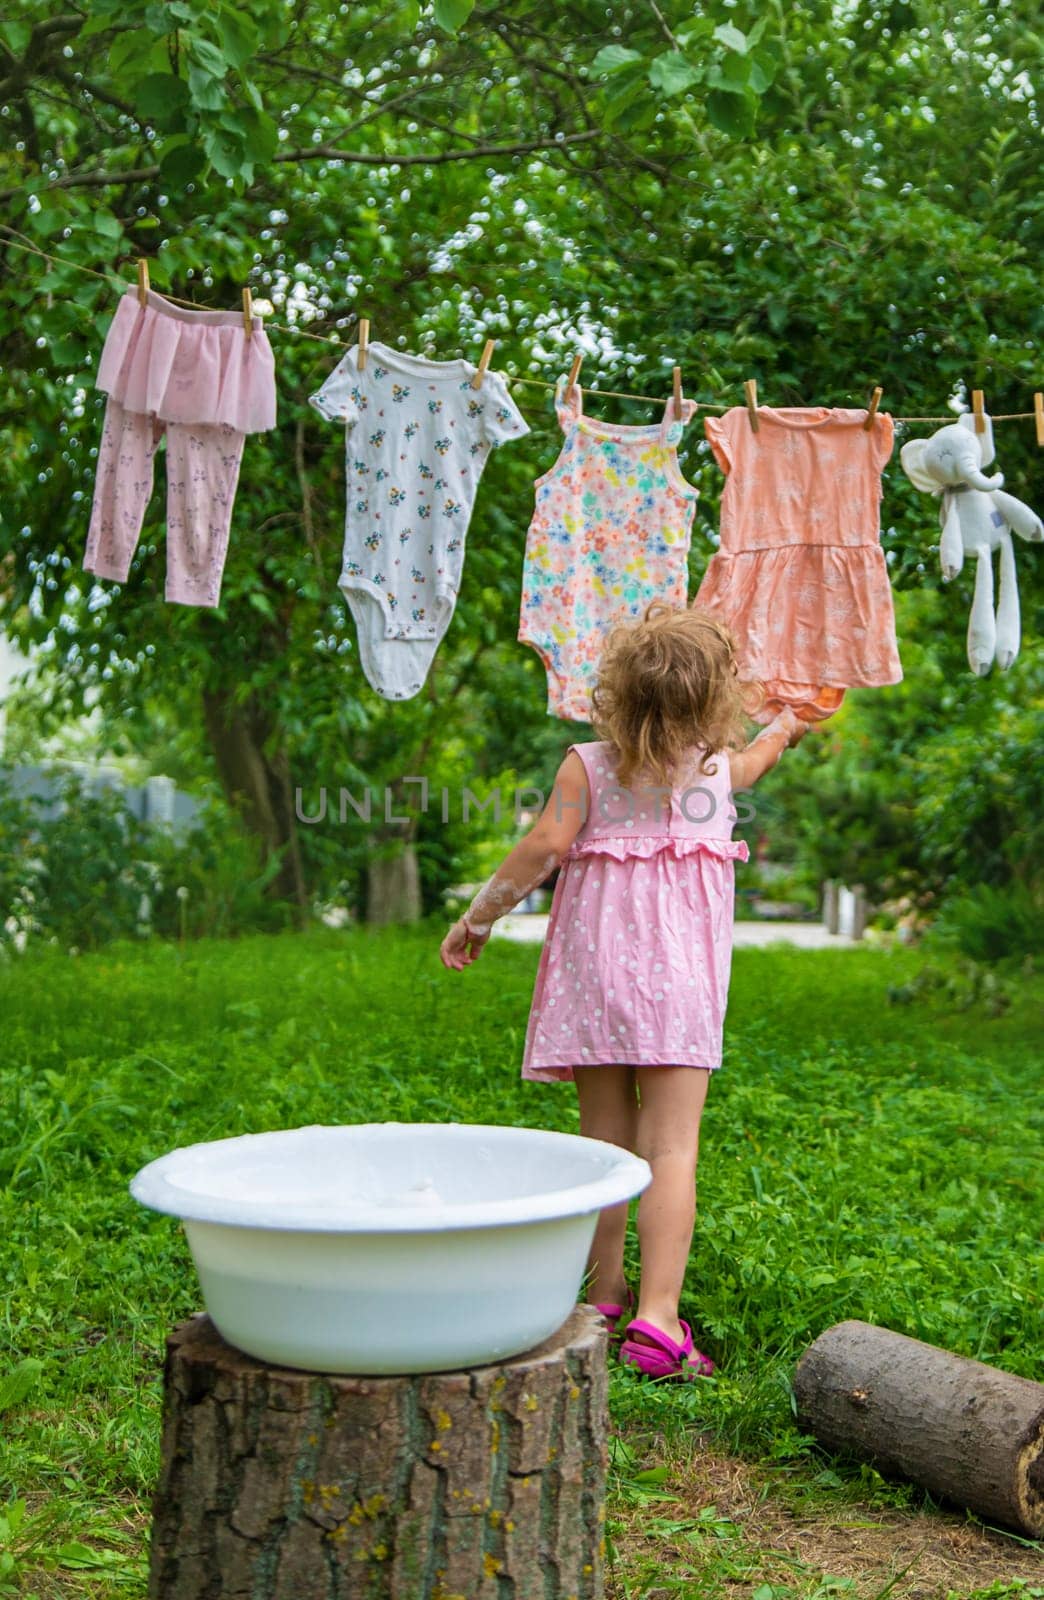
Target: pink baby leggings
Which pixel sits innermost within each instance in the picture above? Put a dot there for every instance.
(202, 473)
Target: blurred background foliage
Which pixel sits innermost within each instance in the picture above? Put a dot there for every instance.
(823, 197)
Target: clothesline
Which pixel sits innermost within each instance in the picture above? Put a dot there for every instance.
(539, 383)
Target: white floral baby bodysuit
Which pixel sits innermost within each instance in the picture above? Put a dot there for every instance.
(418, 437)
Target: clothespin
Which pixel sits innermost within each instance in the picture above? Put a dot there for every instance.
(484, 360)
(364, 342)
(979, 409)
(248, 313)
(143, 282)
(871, 410)
(1038, 415)
(750, 389)
(574, 372)
(677, 392)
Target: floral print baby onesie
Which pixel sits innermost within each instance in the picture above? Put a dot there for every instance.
(418, 437)
(610, 533)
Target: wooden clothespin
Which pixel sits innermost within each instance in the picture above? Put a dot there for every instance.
(978, 408)
(677, 393)
(248, 313)
(364, 342)
(871, 410)
(143, 282)
(1038, 416)
(484, 360)
(574, 373)
(750, 389)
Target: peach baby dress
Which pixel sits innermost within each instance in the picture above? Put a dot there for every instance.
(800, 577)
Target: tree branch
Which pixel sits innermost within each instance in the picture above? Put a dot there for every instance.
(326, 152)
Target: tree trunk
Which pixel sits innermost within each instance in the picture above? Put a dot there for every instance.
(965, 1431)
(393, 892)
(285, 1485)
(257, 785)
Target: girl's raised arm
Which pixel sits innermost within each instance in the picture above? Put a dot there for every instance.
(747, 766)
(529, 863)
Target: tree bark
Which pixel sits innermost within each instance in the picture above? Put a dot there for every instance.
(393, 892)
(285, 1485)
(257, 785)
(965, 1431)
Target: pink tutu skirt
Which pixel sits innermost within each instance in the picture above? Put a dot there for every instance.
(181, 365)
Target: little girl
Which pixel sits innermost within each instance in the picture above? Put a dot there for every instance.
(633, 978)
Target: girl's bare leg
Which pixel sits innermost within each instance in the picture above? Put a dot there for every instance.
(672, 1100)
(609, 1111)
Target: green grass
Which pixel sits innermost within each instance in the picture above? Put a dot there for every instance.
(858, 1160)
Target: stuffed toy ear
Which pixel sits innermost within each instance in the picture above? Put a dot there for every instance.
(912, 457)
(985, 440)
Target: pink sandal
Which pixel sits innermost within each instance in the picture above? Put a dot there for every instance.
(612, 1313)
(663, 1358)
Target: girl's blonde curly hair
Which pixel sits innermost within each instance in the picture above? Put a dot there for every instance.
(668, 685)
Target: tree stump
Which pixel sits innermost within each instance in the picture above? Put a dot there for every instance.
(965, 1431)
(284, 1485)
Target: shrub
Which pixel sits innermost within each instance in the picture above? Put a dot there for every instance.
(991, 924)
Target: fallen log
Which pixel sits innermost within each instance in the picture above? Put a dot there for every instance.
(965, 1431)
(284, 1485)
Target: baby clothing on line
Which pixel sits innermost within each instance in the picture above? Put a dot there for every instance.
(610, 533)
(418, 438)
(195, 377)
(635, 966)
(800, 577)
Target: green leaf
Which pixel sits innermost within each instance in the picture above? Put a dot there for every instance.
(127, 47)
(732, 75)
(104, 223)
(697, 28)
(80, 1557)
(225, 151)
(731, 38)
(763, 68)
(452, 14)
(258, 133)
(99, 23)
(66, 351)
(17, 35)
(16, 1384)
(238, 35)
(733, 114)
(159, 19)
(671, 73)
(636, 87)
(161, 99)
(208, 93)
(612, 57)
(47, 222)
(411, 13)
(208, 56)
(755, 33)
(180, 163)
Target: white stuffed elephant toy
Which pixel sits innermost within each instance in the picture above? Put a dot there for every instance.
(976, 519)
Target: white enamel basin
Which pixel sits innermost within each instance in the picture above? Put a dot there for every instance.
(390, 1246)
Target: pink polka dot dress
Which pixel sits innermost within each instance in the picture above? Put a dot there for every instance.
(635, 966)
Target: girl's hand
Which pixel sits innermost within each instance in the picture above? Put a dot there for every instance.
(792, 726)
(462, 946)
